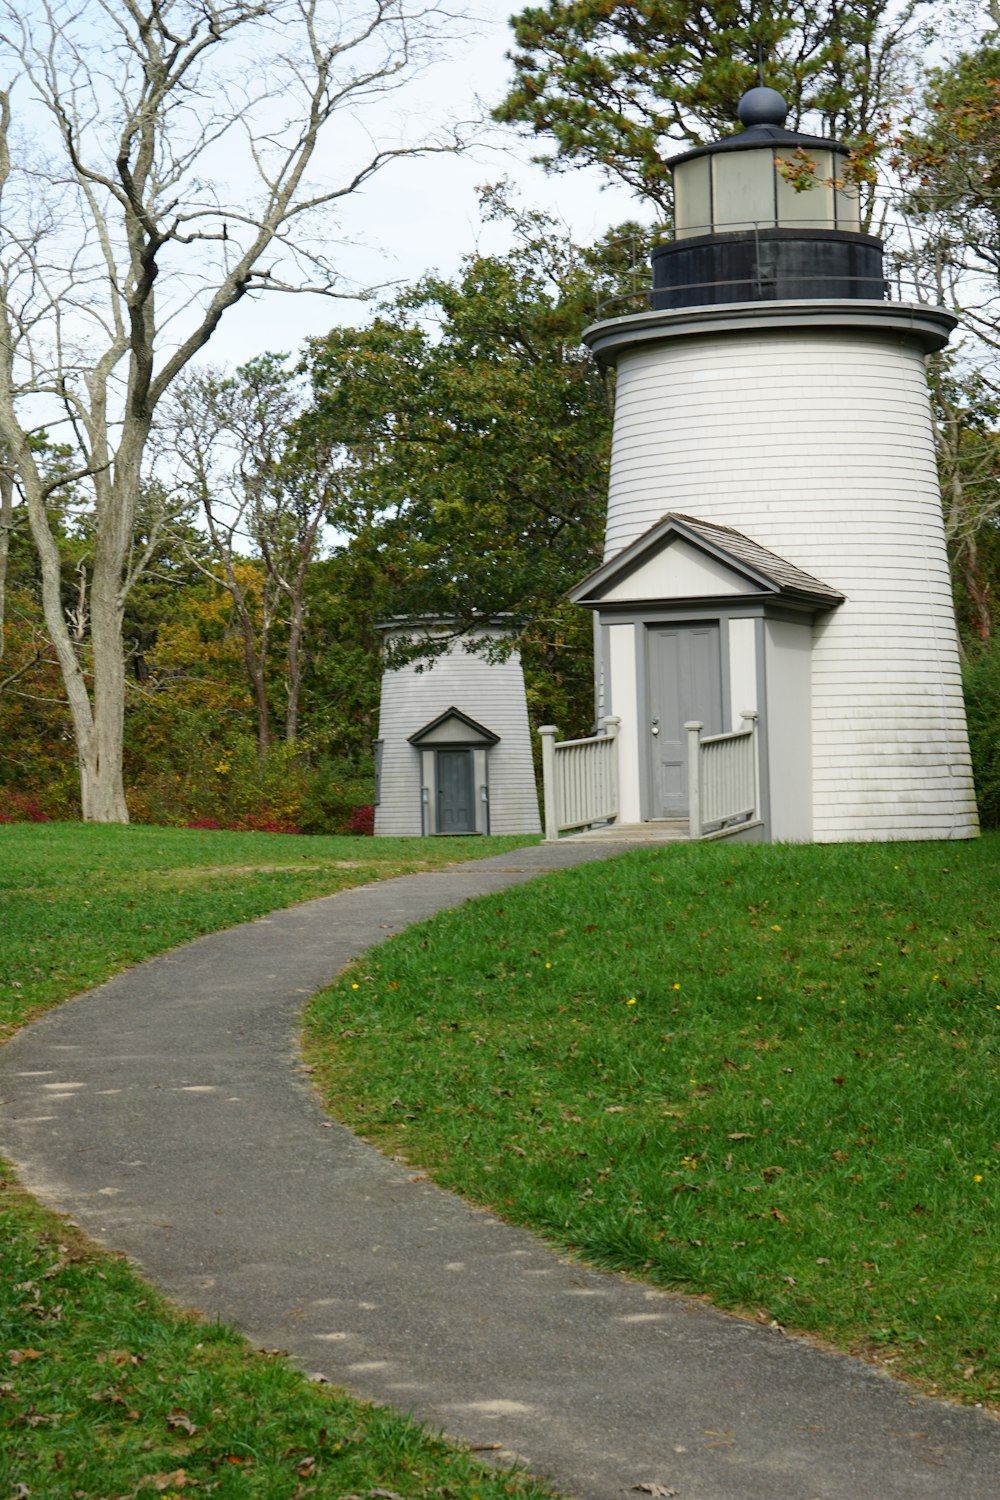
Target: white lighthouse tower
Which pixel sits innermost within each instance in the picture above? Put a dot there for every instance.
(774, 534)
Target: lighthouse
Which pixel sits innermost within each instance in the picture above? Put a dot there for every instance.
(774, 543)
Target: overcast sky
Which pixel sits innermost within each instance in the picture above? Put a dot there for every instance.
(421, 214)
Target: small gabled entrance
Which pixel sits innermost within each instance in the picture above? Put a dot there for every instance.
(700, 624)
(454, 779)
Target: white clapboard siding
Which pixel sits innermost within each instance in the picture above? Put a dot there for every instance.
(491, 693)
(817, 443)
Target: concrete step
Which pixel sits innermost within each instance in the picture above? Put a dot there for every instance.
(659, 831)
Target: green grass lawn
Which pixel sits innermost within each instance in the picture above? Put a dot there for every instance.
(105, 1390)
(763, 1074)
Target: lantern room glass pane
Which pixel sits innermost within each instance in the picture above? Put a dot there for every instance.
(847, 204)
(812, 208)
(744, 190)
(693, 198)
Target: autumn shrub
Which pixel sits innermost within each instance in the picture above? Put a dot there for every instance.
(21, 807)
(981, 680)
(226, 785)
(335, 791)
(361, 820)
(262, 821)
(57, 802)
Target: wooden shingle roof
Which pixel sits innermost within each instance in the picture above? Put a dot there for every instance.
(765, 571)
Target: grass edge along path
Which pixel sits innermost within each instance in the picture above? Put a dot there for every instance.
(108, 1392)
(106, 1389)
(81, 902)
(764, 1075)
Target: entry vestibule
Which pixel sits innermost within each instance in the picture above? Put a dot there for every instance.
(454, 773)
(696, 622)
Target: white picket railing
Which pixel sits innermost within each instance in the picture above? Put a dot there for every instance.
(722, 776)
(579, 779)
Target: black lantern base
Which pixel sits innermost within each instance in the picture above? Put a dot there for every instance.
(767, 265)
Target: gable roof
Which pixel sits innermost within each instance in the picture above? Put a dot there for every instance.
(475, 733)
(762, 570)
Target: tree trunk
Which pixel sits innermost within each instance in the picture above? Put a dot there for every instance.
(255, 661)
(296, 625)
(6, 527)
(102, 788)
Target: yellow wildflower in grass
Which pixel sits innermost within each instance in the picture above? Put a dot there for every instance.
(630, 1002)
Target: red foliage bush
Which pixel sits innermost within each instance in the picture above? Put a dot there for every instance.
(263, 822)
(255, 822)
(21, 807)
(361, 820)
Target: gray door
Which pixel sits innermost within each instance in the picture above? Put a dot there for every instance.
(685, 682)
(456, 804)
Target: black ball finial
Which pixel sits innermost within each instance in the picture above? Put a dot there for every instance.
(762, 106)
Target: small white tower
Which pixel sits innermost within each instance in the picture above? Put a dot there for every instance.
(774, 534)
(454, 749)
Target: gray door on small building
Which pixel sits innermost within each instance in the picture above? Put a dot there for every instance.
(685, 682)
(456, 792)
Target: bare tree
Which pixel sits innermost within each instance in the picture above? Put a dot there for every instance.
(155, 160)
(230, 442)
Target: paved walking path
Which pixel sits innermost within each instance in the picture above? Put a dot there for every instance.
(165, 1114)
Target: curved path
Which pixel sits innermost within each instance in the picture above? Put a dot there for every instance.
(165, 1114)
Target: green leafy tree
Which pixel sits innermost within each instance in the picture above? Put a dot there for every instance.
(966, 415)
(478, 431)
(947, 155)
(622, 85)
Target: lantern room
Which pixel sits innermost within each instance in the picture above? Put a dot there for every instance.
(764, 215)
